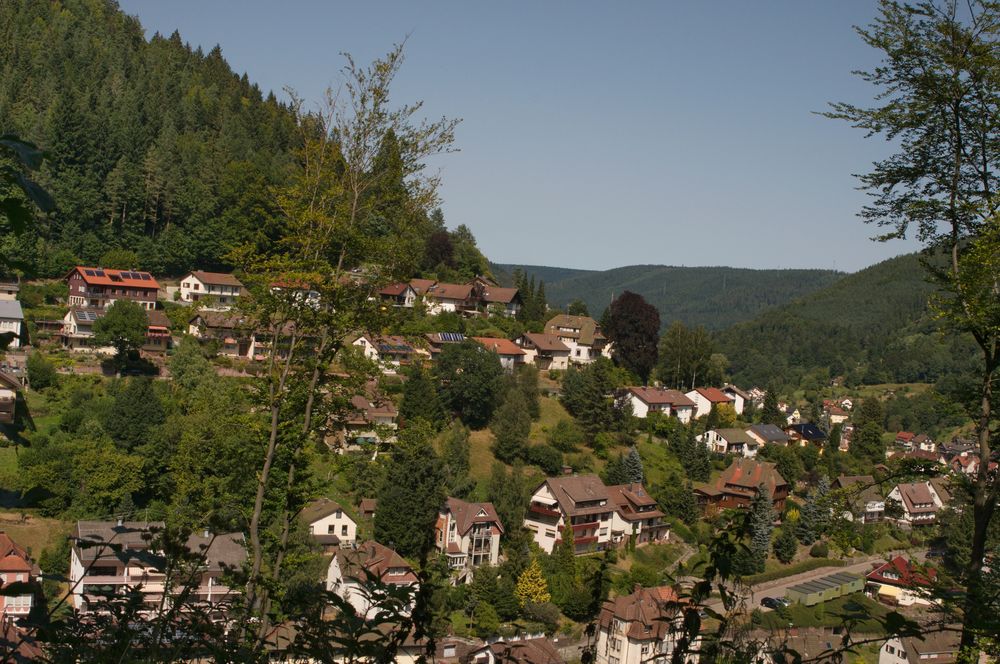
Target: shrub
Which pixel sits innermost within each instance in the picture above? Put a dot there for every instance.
(41, 373)
(819, 550)
(546, 457)
(565, 436)
(545, 613)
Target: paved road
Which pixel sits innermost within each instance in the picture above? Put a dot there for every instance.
(777, 587)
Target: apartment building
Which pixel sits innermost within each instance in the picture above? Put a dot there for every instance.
(99, 288)
(469, 535)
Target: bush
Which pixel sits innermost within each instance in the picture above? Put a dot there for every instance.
(546, 457)
(545, 613)
(41, 373)
(565, 436)
(819, 550)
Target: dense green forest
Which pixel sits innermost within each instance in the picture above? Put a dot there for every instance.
(153, 146)
(873, 326)
(714, 297)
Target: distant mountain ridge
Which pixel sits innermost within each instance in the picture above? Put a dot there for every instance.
(716, 297)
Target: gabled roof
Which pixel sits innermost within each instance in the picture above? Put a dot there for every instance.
(499, 346)
(909, 575)
(86, 315)
(713, 394)
(658, 395)
(13, 558)
(11, 309)
(904, 436)
(501, 295)
(320, 509)
(748, 474)
(940, 647)
(420, 286)
(646, 612)
(214, 278)
(769, 433)
(222, 320)
(586, 328)
(807, 431)
(395, 290)
(526, 651)
(546, 342)
(227, 549)
(377, 559)
(467, 514)
(630, 498)
(367, 408)
(917, 493)
(735, 390)
(569, 490)
(96, 276)
(732, 436)
(442, 291)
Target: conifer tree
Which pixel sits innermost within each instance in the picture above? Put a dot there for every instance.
(761, 515)
(615, 471)
(769, 412)
(531, 586)
(136, 411)
(511, 426)
(509, 496)
(633, 466)
(815, 514)
(455, 455)
(786, 545)
(420, 399)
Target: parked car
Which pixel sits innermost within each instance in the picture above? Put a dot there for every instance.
(771, 603)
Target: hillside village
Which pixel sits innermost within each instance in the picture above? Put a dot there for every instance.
(261, 402)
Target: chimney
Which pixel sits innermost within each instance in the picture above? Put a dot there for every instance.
(207, 533)
(119, 522)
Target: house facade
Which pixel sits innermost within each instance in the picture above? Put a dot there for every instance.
(78, 329)
(450, 298)
(582, 335)
(469, 535)
(940, 647)
(864, 497)
(16, 566)
(641, 627)
(399, 295)
(646, 400)
(500, 301)
(637, 515)
(740, 398)
(523, 651)
(920, 503)
(349, 569)
(9, 389)
(215, 290)
(96, 570)
(99, 288)
(545, 351)
(230, 331)
(730, 441)
(705, 398)
(390, 352)
(372, 420)
(12, 322)
(327, 520)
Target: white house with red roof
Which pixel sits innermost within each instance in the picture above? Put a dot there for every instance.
(641, 627)
(901, 582)
(456, 298)
(545, 351)
(400, 295)
(740, 398)
(469, 535)
(99, 288)
(511, 355)
(16, 566)
(706, 397)
(215, 290)
(646, 400)
(349, 570)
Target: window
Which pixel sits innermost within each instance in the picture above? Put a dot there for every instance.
(343, 530)
(645, 649)
(548, 533)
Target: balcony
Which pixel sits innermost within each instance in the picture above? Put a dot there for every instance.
(544, 510)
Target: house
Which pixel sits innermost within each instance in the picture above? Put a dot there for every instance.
(78, 329)
(647, 400)
(438, 340)
(641, 627)
(99, 288)
(705, 398)
(349, 569)
(836, 415)
(95, 566)
(421, 286)
(637, 515)
(372, 420)
(730, 441)
(757, 395)
(511, 355)
(526, 651)
(10, 286)
(10, 387)
(581, 501)
(864, 496)
(938, 646)
(804, 433)
(601, 517)
(920, 503)
(900, 582)
(12, 323)
(957, 447)
(16, 566)
(19, 643)
(768, 434)
(366, 508)
(469, 535)
(924, 443)
(329, 524)
(500, 301)
(739, 397)
(904, 439)
(215, 290)
(452, 298)
(740, 482)
(399, 295)
(230, 331)
(966, 465)
(582, 335)
(388, 351)
(545, 351)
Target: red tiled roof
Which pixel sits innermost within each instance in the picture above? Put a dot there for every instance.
(377, 559)
(450, 291)
(466, 514)
(499, 346)
(714, 394)
(904, 436)
(909, 575)
(549, 342)
(96, 276)
(498, 294)
(216, 278)
(748, 474)
(395, 289)
(421, 285)
(13, 558)
(646, 612)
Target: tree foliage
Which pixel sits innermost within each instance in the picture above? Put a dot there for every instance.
(471, 381)
(632, 326)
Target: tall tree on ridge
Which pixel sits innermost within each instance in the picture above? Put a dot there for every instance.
(633, 326)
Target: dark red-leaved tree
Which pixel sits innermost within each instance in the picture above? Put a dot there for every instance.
(634, 327)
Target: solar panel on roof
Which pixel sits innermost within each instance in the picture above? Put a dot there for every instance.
(99, 273)
(89, 273)
(146, 277)
(452, 336)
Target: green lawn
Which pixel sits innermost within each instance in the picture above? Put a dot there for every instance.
(774, 569)
(658, 464)
(657, 556)
(857, 610)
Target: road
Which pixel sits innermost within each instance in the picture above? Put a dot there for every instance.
(778, 587)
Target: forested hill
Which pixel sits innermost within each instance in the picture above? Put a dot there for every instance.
(871, 326)
(153, 146)
(715, 297)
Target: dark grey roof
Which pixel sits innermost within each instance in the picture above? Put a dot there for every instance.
(11, 309)
(770, 433)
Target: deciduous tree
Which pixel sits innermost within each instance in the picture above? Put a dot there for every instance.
(633, 326)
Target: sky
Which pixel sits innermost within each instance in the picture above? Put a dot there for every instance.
(602, 134)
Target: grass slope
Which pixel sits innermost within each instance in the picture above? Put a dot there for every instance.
(715, 297)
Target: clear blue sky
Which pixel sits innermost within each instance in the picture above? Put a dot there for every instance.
(599, 134)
